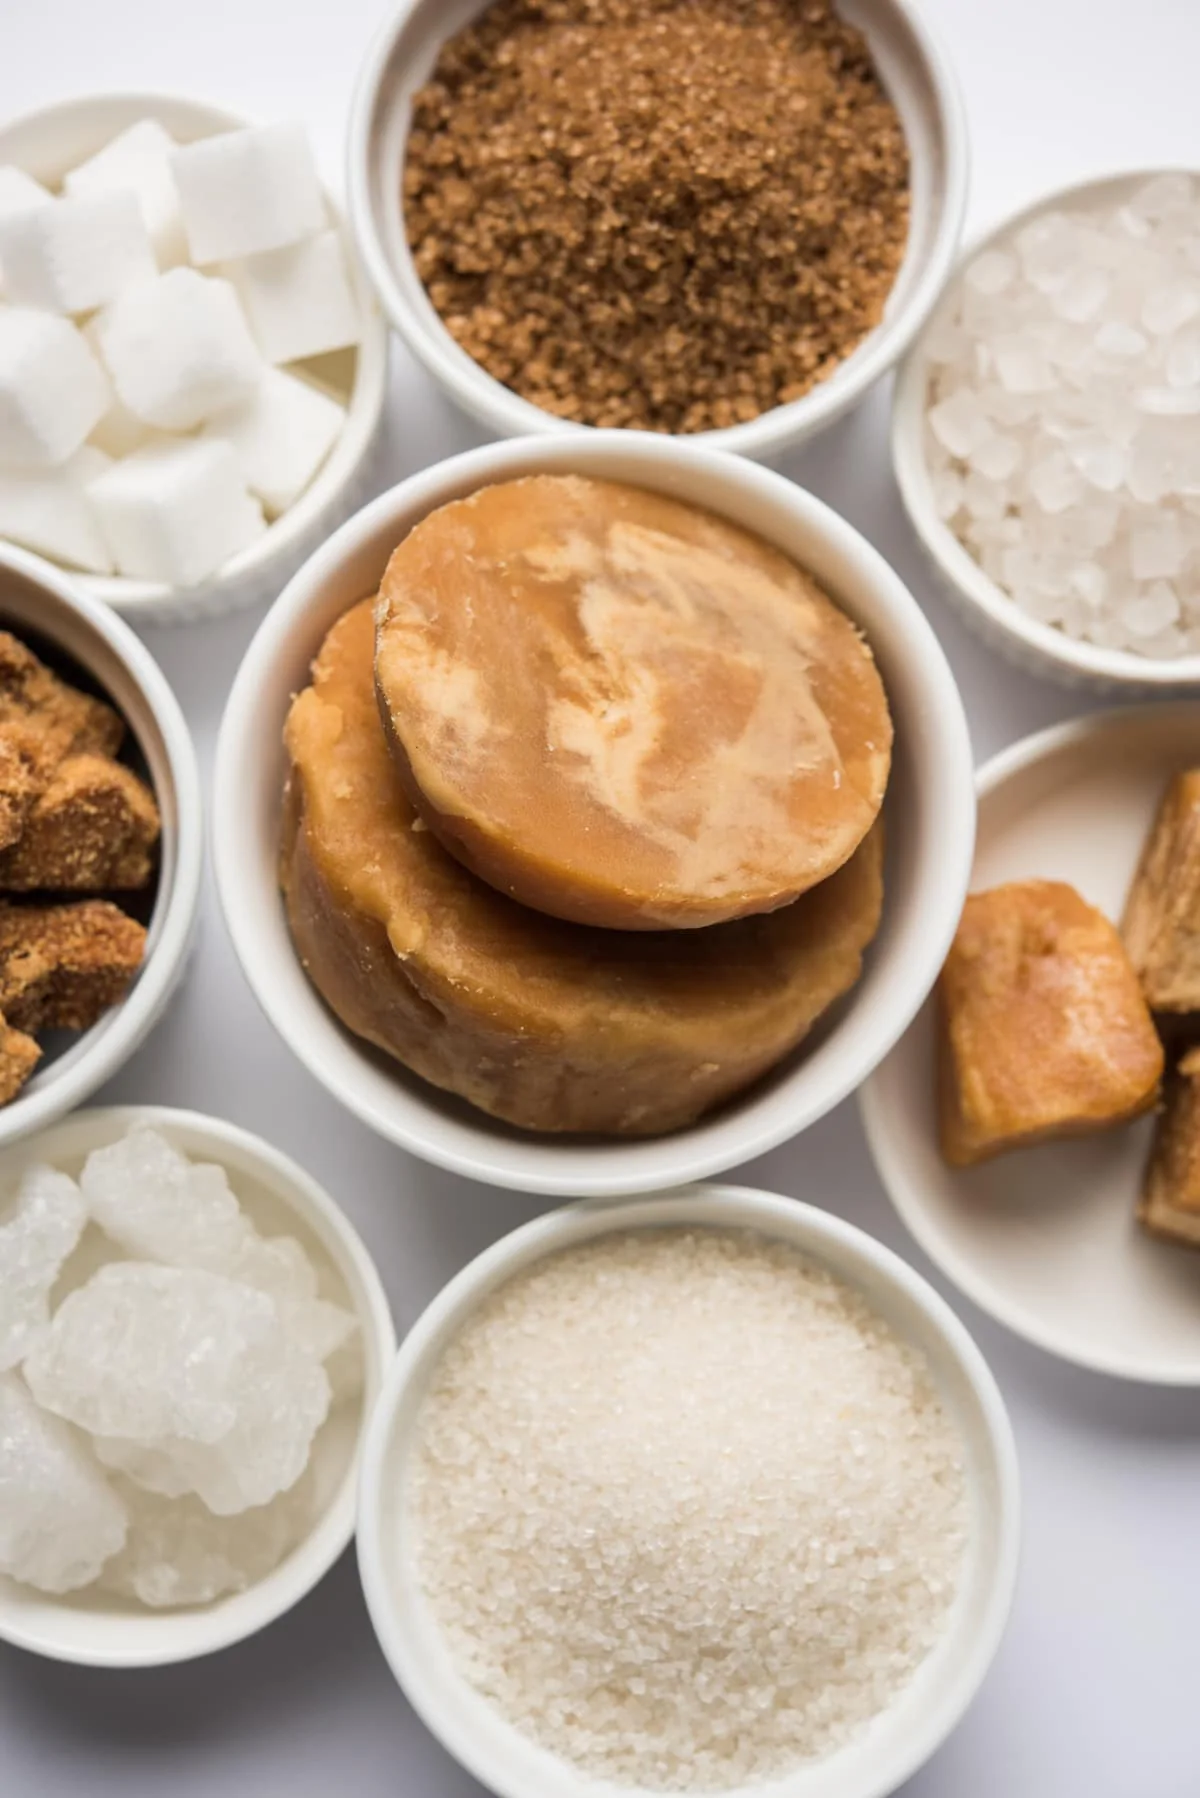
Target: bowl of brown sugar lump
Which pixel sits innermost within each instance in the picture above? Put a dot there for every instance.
(704, 219)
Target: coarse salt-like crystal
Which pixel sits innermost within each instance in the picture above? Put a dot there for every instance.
(60, 1519)
(179, 1553)
(47, 1219)
(1080, 347)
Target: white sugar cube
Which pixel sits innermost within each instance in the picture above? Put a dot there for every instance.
(48, 510)
(247, 191)
(138, 161)
(281, 436)
(299, 301)
(178, 349)
(74, 255)
(121, 431)
(52, 389)
(19, 192)
(175, 511)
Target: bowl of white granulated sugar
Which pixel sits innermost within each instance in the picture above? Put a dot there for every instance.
(707, 1492)
(1046, 435)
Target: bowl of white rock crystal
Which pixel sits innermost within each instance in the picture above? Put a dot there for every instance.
(191, 1338)
(1046, 435)
(192, 367)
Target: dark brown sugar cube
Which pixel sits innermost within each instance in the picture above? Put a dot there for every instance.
(21, 779)
(63, 966)
(1161, 926)
(68, 721)
(19, 1055)
(1044, 1030)
(1170, 1201)
(93, 829)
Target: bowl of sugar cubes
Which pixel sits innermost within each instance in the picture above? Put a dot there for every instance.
(1045, 439)
(192, 1336)
(192, 368)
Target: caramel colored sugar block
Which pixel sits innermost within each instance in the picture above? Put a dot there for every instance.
(548, 1025)
(624, 711)
(1161, 926)
(1044, 1028)
(1170, 1202)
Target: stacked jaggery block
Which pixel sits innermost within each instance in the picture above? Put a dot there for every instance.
(582, 822)
(74, 821)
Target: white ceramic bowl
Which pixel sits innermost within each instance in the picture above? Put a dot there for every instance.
(1037, 648)
(96, 1629)
(1045, 1239)
(49, 142)
(900, 1740)
(922, 86)
(930, 810)
(38, 600)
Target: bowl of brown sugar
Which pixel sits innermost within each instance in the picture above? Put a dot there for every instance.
(722, 218)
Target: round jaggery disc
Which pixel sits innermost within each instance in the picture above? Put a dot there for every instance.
(549, 1025)
(624, 711)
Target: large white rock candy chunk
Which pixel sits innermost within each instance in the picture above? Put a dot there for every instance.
(36, 1236)
(178, 1552)
(48, 510)
(280, 435)
(52, 389)
(75, 255)
(178, 349)
(299, 300)
(152, 1352)
(60, 1520)
(138, 161)
(175, 510)
(247, 191)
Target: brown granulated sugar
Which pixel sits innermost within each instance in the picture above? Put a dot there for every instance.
(665, 214)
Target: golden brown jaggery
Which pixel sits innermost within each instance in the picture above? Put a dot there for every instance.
(624, 711)
(1044, 1028)
(548, 1025)
(1170, 1199)
(1161, 926)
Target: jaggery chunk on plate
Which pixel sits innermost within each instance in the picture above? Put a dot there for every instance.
(1046, 1238)
(1170, 1204)
(1161, 926)
(624, 711)
(1044, 1028)
(550, 1026)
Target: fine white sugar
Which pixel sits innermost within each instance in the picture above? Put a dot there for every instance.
(686, 1510)
(178, 1553)
(1063, 418)
(60, 1519)
(38, 1231)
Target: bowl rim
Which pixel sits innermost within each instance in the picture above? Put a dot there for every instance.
(503, 411)
(810, 1230)
(154, 986)
(232, 584)
(875, 1108)
(300, 1192)
(536, 1165)
(976, 592)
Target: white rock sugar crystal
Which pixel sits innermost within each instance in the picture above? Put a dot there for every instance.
(178, 1553)
(60, 1520)
(36, 1236)
(1064, 402)
(686, 1510)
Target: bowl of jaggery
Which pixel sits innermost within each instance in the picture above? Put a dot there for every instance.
(593, 812)
(1038, 1126)
(101, 844)
(701, 217)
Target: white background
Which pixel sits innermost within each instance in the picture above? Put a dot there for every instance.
(1095, 1693)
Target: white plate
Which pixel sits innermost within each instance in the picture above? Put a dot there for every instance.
(1045, 1239)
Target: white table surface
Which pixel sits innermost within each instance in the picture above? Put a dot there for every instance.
(1093, 1694)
